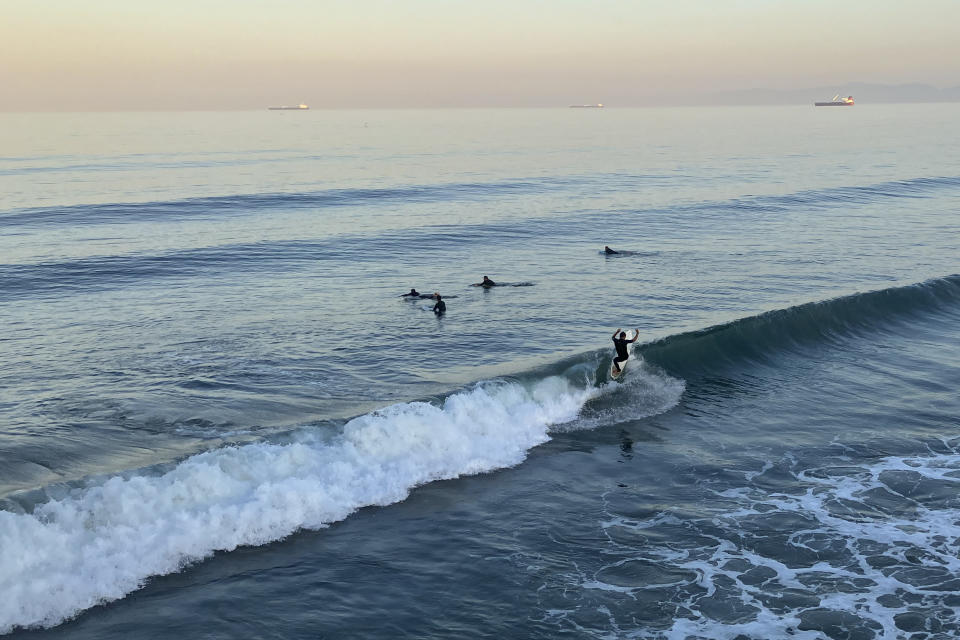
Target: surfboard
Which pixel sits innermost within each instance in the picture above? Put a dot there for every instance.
(616, 375)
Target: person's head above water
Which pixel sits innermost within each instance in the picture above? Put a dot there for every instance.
(437, 296)
(486, 279)
(413, 292)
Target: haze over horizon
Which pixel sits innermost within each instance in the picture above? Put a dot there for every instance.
(218, 54)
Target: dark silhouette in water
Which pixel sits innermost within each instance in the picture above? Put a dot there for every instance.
(488, 283)
(621, 345)
(620, 253)
(440, 307)
(416, 295)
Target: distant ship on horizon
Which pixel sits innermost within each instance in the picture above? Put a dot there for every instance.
(599, 105)
(836, 102)
(299, 107)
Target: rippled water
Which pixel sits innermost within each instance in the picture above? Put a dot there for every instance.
(220, 419)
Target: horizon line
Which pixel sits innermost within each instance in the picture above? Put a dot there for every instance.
(679, 105)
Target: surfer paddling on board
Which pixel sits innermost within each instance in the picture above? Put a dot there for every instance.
(440, 307)
(621, 346)
(610, 252)
(487, 283)
(413, 294)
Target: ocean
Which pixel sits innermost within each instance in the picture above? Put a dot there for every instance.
(219, 418)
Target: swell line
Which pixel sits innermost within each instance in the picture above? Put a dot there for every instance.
(125, 212)
(241, 204)
(761, 338)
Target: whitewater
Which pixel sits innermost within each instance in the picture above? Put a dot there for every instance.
(101, 541)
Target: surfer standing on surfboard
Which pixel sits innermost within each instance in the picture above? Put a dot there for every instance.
(621, 346)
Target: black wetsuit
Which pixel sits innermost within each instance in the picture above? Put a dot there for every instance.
(488, 283)
(621, 345)
(440, 307)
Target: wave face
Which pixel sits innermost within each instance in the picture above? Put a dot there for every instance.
(762, 339)
(100, 542)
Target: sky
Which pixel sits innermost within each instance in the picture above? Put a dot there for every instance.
(80, 55)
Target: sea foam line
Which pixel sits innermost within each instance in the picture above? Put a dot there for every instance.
(102, 542)
(921, 549)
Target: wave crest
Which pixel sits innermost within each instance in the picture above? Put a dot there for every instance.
(100, 542)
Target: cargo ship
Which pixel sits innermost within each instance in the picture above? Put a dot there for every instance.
(299, 107)
(836, 102)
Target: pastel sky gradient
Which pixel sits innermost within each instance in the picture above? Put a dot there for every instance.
(246, 54)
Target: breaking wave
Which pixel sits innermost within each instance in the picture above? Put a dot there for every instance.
(93, 544)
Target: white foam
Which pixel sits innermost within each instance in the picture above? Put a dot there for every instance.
(934, 529)
(643, 391)
(102, 542)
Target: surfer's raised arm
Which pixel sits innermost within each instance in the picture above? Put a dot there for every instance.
(636, 334)
(615, 333)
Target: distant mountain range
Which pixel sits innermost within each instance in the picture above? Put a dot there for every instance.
(863, 93)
